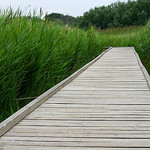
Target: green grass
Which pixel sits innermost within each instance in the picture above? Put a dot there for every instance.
(36, 54)
(143, 46)
(127, 36)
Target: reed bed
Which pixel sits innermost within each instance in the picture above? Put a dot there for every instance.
(36, 54)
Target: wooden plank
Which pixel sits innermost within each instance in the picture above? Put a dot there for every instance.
(97, 115)
(109, 83)
(112, 79)
(105, 87)
(103, 143)
(105, 93)
(82, 123)
(98, 101)
(113, 65)
(88, 88)
(65, 139)
(119, 118)
(77, 134)
(94, 109)
(66, 148)
(90, 115)
(115, 69)
(50, 130)
(105, 106)
(72, 148)
(98, 97)
(86, 117)
(104, 72)
(111, 76)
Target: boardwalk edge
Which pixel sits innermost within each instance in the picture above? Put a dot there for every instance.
(26, 110)
(146, 75)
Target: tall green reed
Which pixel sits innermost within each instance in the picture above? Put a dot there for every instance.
(143, 46)
(36, 54)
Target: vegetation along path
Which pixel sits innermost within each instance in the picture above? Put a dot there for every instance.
(104, 105)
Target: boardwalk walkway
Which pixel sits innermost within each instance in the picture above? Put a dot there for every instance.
(106, 107)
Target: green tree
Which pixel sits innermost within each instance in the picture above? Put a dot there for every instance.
(117, 14)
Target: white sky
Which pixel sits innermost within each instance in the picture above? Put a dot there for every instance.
(73, 8)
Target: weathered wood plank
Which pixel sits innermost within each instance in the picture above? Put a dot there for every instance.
(62, 148)
(88, 117)
(98, 100)
(90, 109)
(82, 134)
(106, 143)
(82, 123)
(105, 93)
(64, 139)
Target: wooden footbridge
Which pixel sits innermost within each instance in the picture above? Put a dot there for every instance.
(103, 106)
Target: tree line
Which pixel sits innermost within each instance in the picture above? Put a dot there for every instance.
(60, 18)
(119, 14)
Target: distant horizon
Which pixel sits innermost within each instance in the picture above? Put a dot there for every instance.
(66, 7)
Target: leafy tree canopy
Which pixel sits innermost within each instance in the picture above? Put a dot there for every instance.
(66, 19)
(117, 14)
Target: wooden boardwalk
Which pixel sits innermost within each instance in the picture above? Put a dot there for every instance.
(106, 107)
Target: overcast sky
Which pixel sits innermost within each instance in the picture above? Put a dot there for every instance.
(69, 7)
